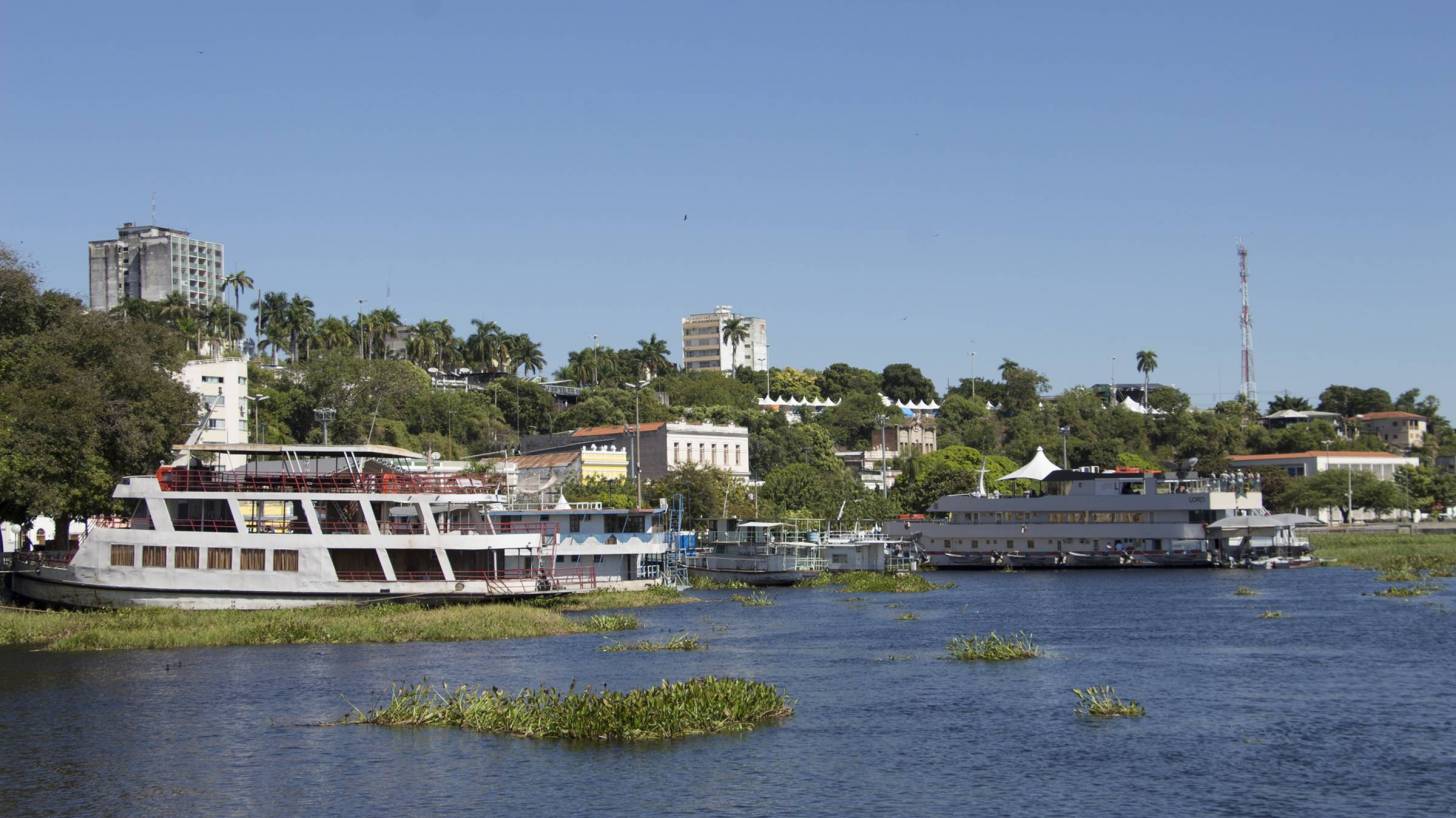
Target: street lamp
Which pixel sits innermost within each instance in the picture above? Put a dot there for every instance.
(884, 451)
(766, 370)
(257, 401)
(636, 438)
(325, 416)
(361, 328)
(973, 375)
(1066, 430)
(595, 371)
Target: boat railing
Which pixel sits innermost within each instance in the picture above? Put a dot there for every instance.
(214, 525)
(116, 521)
(263, 526)
(31, 560)
(203, 479)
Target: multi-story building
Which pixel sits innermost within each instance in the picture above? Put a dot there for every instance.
(535, 473)
(665, 445)
(1303, 464)
(703, 347)
(223, 386)
(149, 262)
(1403, 431)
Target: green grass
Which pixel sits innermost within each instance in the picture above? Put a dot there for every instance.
(906, 617)
(873, 582)
(706, 584)
(1389, 552)
(1244, 590)
(668, 711)
(1103, 703)
(1408, 590)
(606, 600)
(992, 648)
(682, 641)
(1272, 615)
(602, 623)
(757, 599)
(140, 628)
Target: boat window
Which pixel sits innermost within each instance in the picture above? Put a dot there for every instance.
(356, 564)
(252, 559)
(475, 563)
(398, 519)
(220, 559)
(340, 517)
(123, 554)
(154, 556)
(415, 564)
(274, 516)
(184, 556)
(141, 516)
(201, 515)
(1101, 516)
(574, 523)
(285, 560)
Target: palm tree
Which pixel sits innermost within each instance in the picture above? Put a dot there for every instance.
(270, 312)
(335, 333)
(221, 322)
(379, 325)
(298, 320)
(486, 343)
(174, 308)
(526, 355)
(1147, 361)
(238, 282)
(735, 332)
(654, 353)
(1007, 367)
(1288, 401)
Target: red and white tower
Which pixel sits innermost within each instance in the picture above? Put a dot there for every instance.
(1247, 389)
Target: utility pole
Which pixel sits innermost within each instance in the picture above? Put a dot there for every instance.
(257, 402)
(361, 328)
(973, 374)
(1112, 385)
(595, 370)
(1066, 430)
(884, 462)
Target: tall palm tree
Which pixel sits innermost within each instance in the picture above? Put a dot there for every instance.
(238, 282)
(298, 320)
(485, 342)
(526, 355)
(1288, 401)
(336, 333)
(1147, 361)
(270, 311)
(735, 332)
(1007, 367)
(174, 308)
(380, 325)
(654, 353)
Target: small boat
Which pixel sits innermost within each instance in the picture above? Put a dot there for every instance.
(1192, 558)
(1096, 559)
(1305, 561)
(1032, 559)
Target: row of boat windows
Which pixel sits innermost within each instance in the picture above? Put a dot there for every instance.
(1155, 545)
(1194, 516)
(190, 556)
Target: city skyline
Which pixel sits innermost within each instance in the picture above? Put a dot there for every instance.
(1057, 186)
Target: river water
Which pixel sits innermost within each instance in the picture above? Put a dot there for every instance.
(1343, 707)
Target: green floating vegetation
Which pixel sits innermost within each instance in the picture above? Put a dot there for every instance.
(873, 582)
(606, 600)
(1389, 552)
(683, 641)
(992, 648)
(1408, 590)
(1103, 703)
(602, 623)
(668, 711)
(143, 628)
(706, 584)
(906, 617)
(757, 599)
(1271, 615)
(1400, 573)
(1244, 590)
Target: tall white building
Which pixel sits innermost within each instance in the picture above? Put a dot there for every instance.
(149, 262)
(703, 347)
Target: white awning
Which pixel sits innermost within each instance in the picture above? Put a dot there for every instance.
(1037, 469)
(759, 525)
(1261, 522)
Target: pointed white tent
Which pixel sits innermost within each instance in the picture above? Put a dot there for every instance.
(1037, 469)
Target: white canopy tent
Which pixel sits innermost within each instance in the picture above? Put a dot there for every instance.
(1037, 469)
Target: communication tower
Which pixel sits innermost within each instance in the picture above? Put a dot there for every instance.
(1246, 325)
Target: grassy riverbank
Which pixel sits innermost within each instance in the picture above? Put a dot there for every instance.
(669, 710)
(163, 628)
(606, 600)
(873, 582)
(1417, 552)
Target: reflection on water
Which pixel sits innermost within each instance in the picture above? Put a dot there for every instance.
(1343, 707)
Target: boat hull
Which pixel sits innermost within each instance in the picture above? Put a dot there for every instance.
(1017, 559)
(1078, 559)
(758, 579)
(1201, 559)
(956, 560)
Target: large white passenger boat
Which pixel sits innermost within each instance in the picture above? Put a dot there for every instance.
(302, 525)
(1088, 519)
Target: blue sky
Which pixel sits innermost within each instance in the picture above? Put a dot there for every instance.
(908, 181)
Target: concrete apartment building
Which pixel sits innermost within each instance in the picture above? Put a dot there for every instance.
(149, 262)
(703, 347)
(535, 473)
(223, 385)
(1303, 464)
(1399, 430)
(665, 445)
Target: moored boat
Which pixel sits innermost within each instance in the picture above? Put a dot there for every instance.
(756, 553)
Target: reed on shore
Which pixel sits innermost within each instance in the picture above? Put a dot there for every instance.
(707, 584)
(667, 711)
(607, 600)
(993, 648)
(142, 628)
(757, 599)
(1423, 553)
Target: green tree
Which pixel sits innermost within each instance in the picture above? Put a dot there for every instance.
(706, 389)
(800, 488)
(735, 334)
(797, 383)
(857, 419)
(1350, 401)
(85, 399)
(773, 443)
(967, 422)
(840, 379)
(654, 354)
(954, 470)
(1336, 488)
(1427, 488)
(907, 384)
(1288, 401)
(705, 490)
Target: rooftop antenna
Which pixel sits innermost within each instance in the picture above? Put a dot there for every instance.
(1246, 327)
(154, 207)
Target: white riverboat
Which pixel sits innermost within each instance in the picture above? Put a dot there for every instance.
(1087, 519)
(756, 553)
(301, 525)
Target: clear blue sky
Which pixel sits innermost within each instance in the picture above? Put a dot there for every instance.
(1049, 182)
